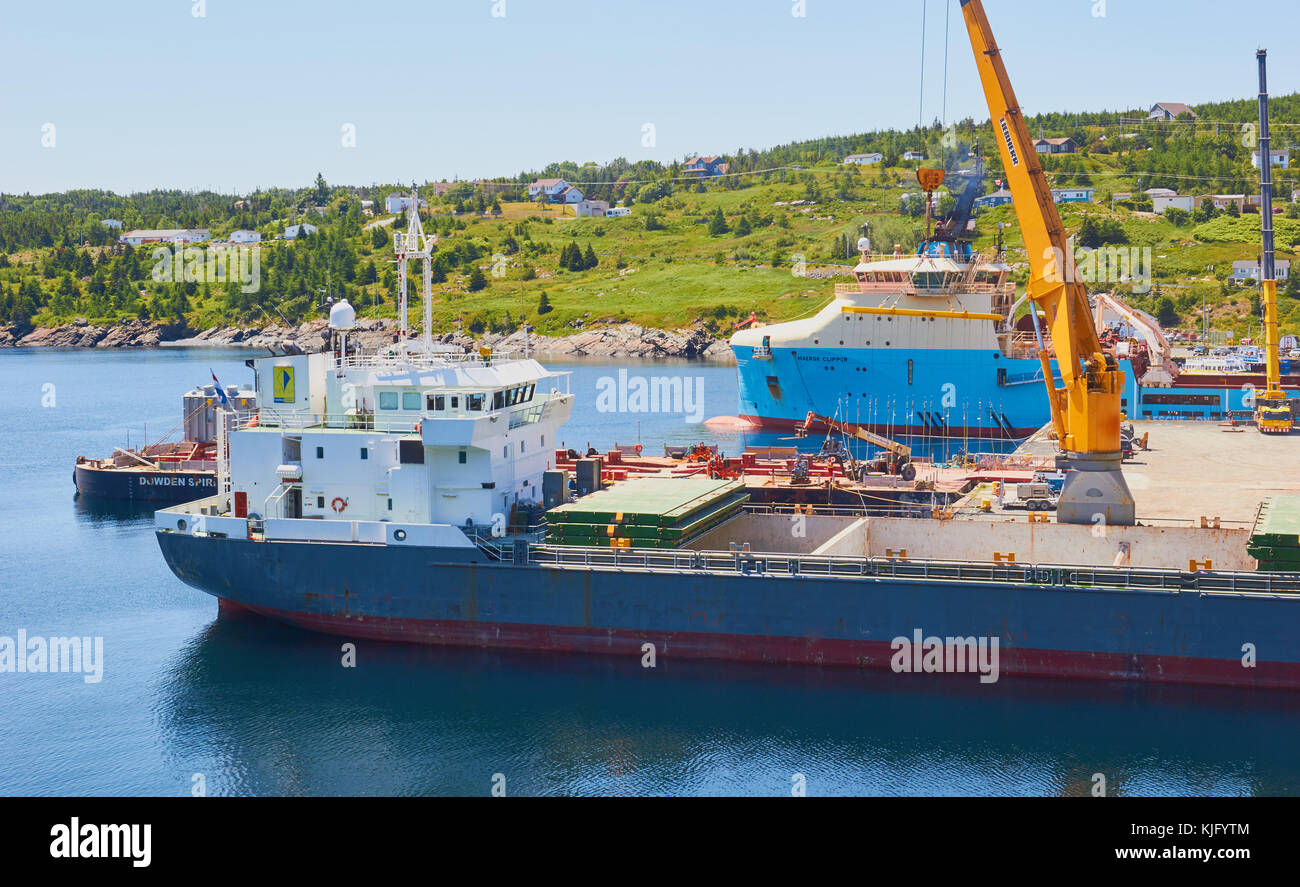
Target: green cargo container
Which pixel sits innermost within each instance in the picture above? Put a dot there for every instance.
(647, 501)
(1277, 523)
(646, 513)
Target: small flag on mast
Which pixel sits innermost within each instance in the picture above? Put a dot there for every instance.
(221, 394)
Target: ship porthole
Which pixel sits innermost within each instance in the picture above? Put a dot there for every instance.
(399, 535)
(181, 526)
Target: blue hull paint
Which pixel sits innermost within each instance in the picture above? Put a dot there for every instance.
(946, 393)
(457, 596)
(952, 393)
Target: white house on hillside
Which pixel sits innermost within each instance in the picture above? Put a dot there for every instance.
(244, 236)
(554, 191)
(112, 223)
(292, 231)
(1281, 158)
(1162, 202)
(864, 159)
(1251, 270)
(164, 235)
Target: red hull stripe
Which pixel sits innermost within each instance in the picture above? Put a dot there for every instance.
(785, 650)
(767, 423)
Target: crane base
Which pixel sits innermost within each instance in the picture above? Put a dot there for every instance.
(1095, 491)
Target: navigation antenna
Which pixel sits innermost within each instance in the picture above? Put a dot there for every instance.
(415, 244)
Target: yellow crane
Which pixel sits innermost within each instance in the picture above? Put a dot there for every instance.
(1086, 406)
(1272, 408)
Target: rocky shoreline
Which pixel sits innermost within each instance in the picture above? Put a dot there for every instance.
(624, 340)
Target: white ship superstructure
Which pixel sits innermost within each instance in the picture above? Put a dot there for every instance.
(419, 434)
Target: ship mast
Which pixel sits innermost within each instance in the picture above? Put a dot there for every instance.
(415, 244)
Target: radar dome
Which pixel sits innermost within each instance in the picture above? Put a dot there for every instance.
(864, 245)
(342, 316)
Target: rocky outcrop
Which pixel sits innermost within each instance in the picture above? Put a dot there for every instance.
(81, 334)
(626, 340)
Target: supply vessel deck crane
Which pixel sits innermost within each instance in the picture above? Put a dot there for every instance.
(1086, 406)
(1273, 407)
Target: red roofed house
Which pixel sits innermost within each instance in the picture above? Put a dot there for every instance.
(706, 167)
(1055, 146)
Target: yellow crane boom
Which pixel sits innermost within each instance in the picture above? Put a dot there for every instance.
(1086, 406)
(1273, 407)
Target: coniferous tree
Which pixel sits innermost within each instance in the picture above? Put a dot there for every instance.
(718, 224)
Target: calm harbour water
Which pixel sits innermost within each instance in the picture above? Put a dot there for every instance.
(258, 708)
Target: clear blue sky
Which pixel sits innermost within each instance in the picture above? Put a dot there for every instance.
(143, 94)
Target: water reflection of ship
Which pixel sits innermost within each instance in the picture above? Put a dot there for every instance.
(114, 511)
(263, 708)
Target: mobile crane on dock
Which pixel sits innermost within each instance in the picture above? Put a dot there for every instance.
(1086, 406)
(1273, 407)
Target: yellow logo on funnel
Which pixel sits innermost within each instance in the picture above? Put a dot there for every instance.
(283, 385)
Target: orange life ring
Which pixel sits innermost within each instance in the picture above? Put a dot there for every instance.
(637, 449)
(339, 504)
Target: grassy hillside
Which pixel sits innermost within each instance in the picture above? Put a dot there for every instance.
(690, 253)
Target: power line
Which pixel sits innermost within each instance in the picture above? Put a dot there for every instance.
(920, 110)
(946, 19)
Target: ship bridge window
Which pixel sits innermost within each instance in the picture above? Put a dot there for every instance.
(435, 403)
(388, 400)
(474, 402)
(410, 400)
(498, 399)
(455, 402)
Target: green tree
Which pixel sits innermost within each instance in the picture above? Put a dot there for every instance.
(718, 223)
(477, 280)
(544, 304)
(1166, 313)
(589, 259)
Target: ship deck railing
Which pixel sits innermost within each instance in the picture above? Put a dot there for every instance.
(415, 357)
(879, 286)
(299, 420)
(1041, 575)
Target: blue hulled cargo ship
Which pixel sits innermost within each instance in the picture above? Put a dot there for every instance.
(374, 497)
